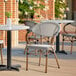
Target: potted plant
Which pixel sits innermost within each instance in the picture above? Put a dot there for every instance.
(8, 14)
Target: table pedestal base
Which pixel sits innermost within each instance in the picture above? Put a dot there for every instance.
(62, 51)
(14, 67)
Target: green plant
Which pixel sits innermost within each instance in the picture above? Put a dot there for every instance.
(59, 4)
(8, 14)
(29, 7)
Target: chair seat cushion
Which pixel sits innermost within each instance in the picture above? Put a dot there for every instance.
(69, 35)
(40, 46)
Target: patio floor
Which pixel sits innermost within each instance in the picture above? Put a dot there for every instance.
(67, 64)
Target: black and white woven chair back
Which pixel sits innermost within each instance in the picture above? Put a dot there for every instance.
(48, 29)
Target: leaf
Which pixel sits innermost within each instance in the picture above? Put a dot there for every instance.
(59, 4)
(24, 7)
(8, 14)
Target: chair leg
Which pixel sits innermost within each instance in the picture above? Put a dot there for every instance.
(46, 62)
(1, 55)
(71, 47)
(25, 50)
(35, 52)
(27, 60)
(40, 58)
(56, 60)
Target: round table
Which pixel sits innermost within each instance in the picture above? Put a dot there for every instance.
(59, 21)
(9, 29)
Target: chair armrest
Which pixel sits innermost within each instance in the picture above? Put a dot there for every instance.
(64, 28)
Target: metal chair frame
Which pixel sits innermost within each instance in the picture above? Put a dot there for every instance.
(40, 47)
(69, 34)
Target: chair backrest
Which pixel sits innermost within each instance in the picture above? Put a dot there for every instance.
(48, 29)
(29, 34)
(30, 23)
(70, 28)
(73, 24)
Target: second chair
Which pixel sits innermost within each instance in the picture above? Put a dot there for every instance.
(69, 34)
(45, 29)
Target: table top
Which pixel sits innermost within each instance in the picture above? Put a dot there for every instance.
(13, 27)
(59, 21)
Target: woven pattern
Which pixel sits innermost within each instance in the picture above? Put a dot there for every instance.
(69, 28)
(46, 29)
(69, 34)
(30, 23)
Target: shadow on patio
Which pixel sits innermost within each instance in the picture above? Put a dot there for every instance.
(67, 63)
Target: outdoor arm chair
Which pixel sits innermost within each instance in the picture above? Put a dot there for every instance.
(45, 29)
(69, 34)
(31, 37)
